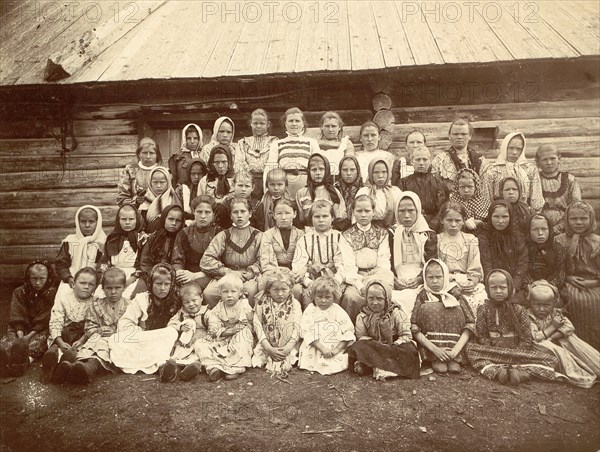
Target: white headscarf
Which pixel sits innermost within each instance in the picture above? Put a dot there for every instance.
(448, 300)
(81, 256)
(217, 126)
(419, 229)
(158, 203)
(196, 152)
(503, 156)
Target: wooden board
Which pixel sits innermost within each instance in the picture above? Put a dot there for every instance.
(57, 198)
(312, 44)
(72, 162)
(57, 179)
(49, 217)
(117, 144)
(19, 254)
(81, 128)
(364, 41)
(392, 37)
(47, 235)
(339, 57)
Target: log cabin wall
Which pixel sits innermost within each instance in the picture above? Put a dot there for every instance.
(40, 191)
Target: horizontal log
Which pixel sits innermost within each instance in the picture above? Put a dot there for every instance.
(590, 188)
(79, 178)
(37, 199)
(81, 128)
(72, 162)
(113, 144)
(43, 236)
(50, 217)
(12, 275)
(22, 254)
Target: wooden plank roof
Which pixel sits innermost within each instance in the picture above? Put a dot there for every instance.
(158, 39)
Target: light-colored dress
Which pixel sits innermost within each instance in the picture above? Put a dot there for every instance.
(67, 309)
(184, 351)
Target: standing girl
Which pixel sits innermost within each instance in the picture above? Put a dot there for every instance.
(333, 143)
(191, 144)
(219, 178)
(370, 133)
(160, 195)
(382, 192)
(135, 179)
(223, 132)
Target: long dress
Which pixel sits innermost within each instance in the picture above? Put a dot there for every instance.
(559, 192)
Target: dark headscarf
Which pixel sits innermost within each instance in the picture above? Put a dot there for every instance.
(162, 237)
(160, 311)
(501, 240)
(327, 182)
(48, 291)
(507, 305)
(380, 324)
(541, 254)
(114, 241)
(349, 191)
(203, 172)
(520, 209)
(223, 186)
(474, 160)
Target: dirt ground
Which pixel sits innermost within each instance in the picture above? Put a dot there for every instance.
(255, 412)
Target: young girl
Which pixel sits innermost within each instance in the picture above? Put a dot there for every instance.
(223, 133)
(101, 319)
(279, 243)
(218, 181)
(191, 322)
(414, 244)
(263, 218)
(369, 137)
(27, 335)
(291, 153)
(326, 330)
(134, 180)
(122, 245)
(558, 187)
(333, 143)
(233, 250)
(82, 249)
(384, 343)
(66, 324)
(460, 252)
(431, 189)
(227, 351)
(255, 149)
(196, 171)
(277, 316)
(325, 252)
(143, 341)
(504, 349)
(160, 195)
(192, 241)
(441, 323)
(242, 188)
(511, 192)
(467, 192)
(191, 144)
(582, 281)
(381, 191)
(578, 361)
(502, 246)
(512, 163)
(319, 185)
(349, 183)
(547, 257)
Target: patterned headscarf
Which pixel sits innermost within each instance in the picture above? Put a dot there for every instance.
(507, 305)
(580, 246)
(223, 186)
(478, 205)
(390, 211)
(158, 203)
(349, 191)
(327, 182)
(161, 310)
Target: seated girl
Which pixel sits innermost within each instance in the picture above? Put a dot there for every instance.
(143, 342)
(227, 350)
(191, 145)
(510, 191)
(263, 217)
(191, 322)
(101, 319)
(254, 150)
(82, 249)
(223, 133)
(326, 330)
(278, 244)
(325, 252)
(242, 188)
(384, 345)
(233, 250)
(547, 257)
(319, 185)
(577, 360)
(467, 192)
(380, 189)
(160, 195)
(442, 321)
(122, 246)
(192, 241)
(348, 184)
(277, 316)
(219, 177)
(460, 252)
(333, 143)
(582, 281)
(66, 326)
(29, 315)
(414, 244)
(134, 180)
(504, 349)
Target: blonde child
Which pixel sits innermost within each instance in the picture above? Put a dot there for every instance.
(380, 189)
(255, 149)
(67, 319)
(277, 316)
(333, 143)
(578, 361)
(263, 218)
(191, 323)
(191, 145)
(242, 188)
(101, 319)
(227, 351)
(442, 321)
(134, 180)
(326, 330)
(233, 250)
(384, 345)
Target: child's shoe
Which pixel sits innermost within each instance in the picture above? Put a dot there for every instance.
(523, 375)
(454, 367)
(215, 374)
(439, 367)
(49, 363)
(361, 369)
(70, 355)
(190, 371)
(83, 373)
(230, 377)
(168, 372)
(502, 375)
(62, 372)
(514, 376)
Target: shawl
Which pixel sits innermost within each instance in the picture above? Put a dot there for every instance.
(158, 203)
(507, 305)
(582, 246)
(161, 236)
(160, 311)
(380, 326)
(474, 160)
(521, 210)
(420, 229)
(501, 240)
(327, 182)
(80, 242)
(443, 295)
(115, 240)
(195, 153)
(349, 191)
(387, 190)
(194, 187)
(274, 317)
(542, 254)
(223, 185)
(47, 292)
(478, 204)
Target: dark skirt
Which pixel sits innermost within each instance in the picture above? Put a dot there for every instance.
(402, 359)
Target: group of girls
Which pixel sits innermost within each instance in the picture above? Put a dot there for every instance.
(276, 252)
